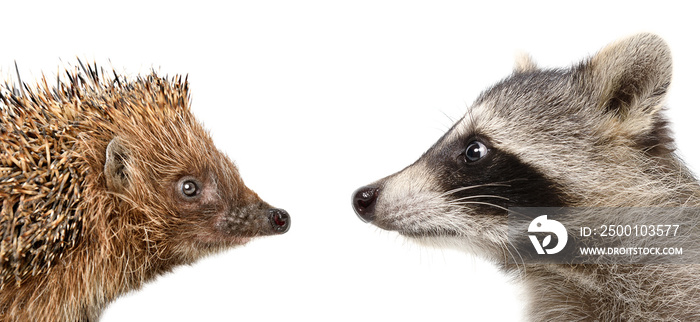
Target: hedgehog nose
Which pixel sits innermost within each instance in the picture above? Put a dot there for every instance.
(363, 201)
(280, 220)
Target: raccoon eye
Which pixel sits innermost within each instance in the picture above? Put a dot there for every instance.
(475, 151)
(189, 188)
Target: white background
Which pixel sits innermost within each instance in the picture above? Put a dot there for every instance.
(314, 99)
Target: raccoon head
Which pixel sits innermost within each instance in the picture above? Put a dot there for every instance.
(584, 135)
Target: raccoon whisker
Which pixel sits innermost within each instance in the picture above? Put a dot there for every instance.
(462, 203)
(515, 260)
(481, 196)
(423, 185)
(491, 184)
(452, 120)
(456, 190)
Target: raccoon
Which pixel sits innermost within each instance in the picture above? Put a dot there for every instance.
(591, 135)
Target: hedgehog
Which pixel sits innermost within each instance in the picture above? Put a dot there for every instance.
(106, 182)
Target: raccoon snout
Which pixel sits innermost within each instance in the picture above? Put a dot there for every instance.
(279, 219)
(363, 201)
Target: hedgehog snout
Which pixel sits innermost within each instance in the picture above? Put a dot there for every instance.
(279, 219)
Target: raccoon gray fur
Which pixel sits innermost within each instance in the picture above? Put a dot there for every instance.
(592, 135)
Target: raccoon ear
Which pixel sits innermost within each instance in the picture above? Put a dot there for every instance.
(115, 170)
(524, 63)
(630, 76)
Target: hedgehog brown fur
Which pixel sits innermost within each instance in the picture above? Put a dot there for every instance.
(105, 183)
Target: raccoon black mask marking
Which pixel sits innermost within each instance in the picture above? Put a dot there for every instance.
(590, 135)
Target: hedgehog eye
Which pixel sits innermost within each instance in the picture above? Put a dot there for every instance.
(190, 188)
(475, 151)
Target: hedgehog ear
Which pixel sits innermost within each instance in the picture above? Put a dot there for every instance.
(630, 77)
(115, 169)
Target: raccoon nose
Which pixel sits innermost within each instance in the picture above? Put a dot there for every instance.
(363, 201)
(279, 219)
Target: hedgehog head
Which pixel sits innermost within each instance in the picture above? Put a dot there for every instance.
(168, 179)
